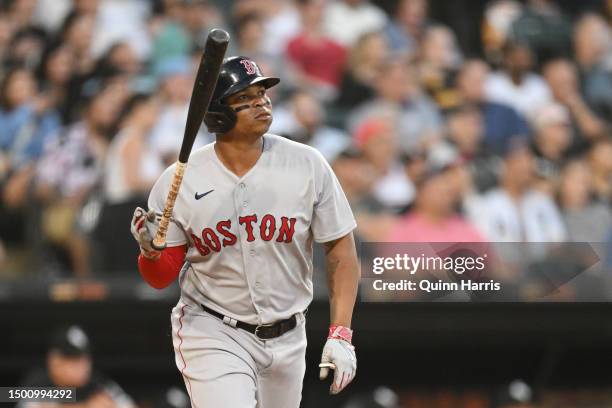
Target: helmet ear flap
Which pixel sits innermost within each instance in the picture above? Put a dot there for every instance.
(220, 118)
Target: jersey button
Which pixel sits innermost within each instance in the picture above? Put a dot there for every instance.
(242, 185)
(245, 203)
(252, 252)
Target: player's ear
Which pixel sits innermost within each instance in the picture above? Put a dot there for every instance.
(220, 118)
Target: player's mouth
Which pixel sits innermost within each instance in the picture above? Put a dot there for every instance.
(263, 115)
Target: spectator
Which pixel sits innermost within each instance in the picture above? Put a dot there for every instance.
(26, 48)
(132, 166)
(545, 29)
(551, 141)
(377, 139)
(586, 219)
(7, 28)
(434, 217)
(440, 58)
(600, 166)
(249, 36)
(357, 178)
(175, 77)
(464, 178)
(119, 21)
(606, 11)
(415, 166)
(398, 93)
(281, 23)
(515, 84)
(302, 120)
(77, 33)
(21, 12)
(55, 73)
(501, 122)
(515, 212)
(199, 17)
(170, 39)
(27, 120)
(50, 14)
(318, 60)
(464, 143)
(68, 173)
(404, 32)
(250, 28)
(347, 20)
(27, 123)
(562, 78)
(593, 51)
(87, 7)
(592, 42)
(69, 364)
(464, 131)
(119, 58)
(364, 62)
(497, 27)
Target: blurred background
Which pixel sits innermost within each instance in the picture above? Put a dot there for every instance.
(445, 121)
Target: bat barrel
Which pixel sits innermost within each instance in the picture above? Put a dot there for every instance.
(219, 36)
(203, 89)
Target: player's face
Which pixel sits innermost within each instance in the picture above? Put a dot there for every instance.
(68, 371)
(253, 110)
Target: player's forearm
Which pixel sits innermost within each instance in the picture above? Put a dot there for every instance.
(161, 272)
(343, 279)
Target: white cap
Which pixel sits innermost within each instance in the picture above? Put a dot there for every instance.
(551, 114)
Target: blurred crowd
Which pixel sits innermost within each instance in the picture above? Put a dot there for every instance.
(506, 142)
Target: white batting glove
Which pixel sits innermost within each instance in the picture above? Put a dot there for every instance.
(339, 355)
(143, 227)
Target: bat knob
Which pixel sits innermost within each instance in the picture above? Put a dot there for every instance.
(158, 246)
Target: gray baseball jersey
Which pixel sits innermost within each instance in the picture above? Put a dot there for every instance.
(250, 238)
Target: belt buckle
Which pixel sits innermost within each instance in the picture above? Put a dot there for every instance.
(259, 326)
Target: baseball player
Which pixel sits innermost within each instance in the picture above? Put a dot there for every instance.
(249, 208)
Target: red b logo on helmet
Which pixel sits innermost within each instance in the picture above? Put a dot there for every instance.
(249, 66)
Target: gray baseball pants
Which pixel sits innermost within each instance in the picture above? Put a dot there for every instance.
(223, 366)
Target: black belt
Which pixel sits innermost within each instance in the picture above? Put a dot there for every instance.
(263, 331)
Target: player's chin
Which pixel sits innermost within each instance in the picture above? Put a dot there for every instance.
(262, 124)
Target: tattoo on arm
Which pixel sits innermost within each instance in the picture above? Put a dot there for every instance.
(332, 261)
(330, 245)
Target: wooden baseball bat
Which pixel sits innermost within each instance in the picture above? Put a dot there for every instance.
(203, 88)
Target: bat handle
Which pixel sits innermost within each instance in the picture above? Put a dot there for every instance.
(159, 242)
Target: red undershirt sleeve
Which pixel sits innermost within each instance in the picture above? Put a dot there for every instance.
(163, 271)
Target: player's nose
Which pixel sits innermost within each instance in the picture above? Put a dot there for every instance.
(259, 102)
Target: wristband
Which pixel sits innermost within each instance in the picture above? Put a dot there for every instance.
(150, 255)
(341, 333)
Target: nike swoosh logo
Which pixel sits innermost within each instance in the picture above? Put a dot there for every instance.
(198, 196)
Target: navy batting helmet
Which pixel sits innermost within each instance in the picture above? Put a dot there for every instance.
(237, 74)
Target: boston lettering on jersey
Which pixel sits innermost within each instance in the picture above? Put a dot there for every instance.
(267, 228)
